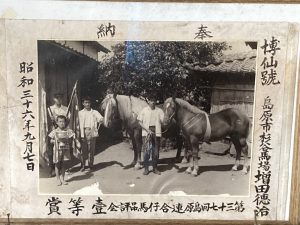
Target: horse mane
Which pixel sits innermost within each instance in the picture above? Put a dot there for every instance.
(129, 104)
(188, 106)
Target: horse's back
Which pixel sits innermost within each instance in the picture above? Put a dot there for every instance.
(231, 113)
(237, 120)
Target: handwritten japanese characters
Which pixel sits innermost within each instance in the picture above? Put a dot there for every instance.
(26, 84)
(106, 30)
(120, 66)
(102, 207)
(77, 206)
(263, 175)
(269, 75)
(53, 204)
(203, 33)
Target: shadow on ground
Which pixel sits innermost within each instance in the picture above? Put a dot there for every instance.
(103, 165)
(81, 177)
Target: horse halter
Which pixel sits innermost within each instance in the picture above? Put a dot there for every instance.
(111, 104)
(117, 106)
(172, 115)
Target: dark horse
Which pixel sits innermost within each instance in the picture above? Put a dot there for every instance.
(126, 108)
(198, 127)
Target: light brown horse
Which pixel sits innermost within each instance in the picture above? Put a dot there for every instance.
(126, 108)
(198, 127)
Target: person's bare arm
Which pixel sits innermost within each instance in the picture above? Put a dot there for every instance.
(145, 128)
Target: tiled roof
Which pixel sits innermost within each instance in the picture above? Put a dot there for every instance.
(96, 45)
(234, 63)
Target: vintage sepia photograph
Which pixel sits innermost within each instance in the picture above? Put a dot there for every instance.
(148, 120)
(146, 117)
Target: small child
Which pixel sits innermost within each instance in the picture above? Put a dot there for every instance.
(61, 138)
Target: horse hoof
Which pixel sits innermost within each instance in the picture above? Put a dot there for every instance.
(195, 173)
(188, 170)
(184, 160)
(177, 160)
(245, 171)
(138, 166)
(234, 168)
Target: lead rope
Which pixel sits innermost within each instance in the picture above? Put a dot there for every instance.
(166, 130)
(184, 124)
(147, 149)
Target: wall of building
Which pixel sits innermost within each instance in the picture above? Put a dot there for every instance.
(59, 70)
(82, 47)
(239, 96)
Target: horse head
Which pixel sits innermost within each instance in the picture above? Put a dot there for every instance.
(109, 107)
(169, 109)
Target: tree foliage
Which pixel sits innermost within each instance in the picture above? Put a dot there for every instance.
(157, 69)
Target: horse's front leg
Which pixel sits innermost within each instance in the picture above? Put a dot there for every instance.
(238, 148)
(186, 151)
(185, 158)
(195, 149)
(179, 143)
(189, 160)
(138, 143)
(244, 146)
(135, 156)
(190, 167)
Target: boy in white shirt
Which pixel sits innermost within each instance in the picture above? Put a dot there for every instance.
(150, 119)
(89, 120)
(55, 110)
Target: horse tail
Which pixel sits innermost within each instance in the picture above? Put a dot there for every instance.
(248, 130)
(247, 125)
(243, 121)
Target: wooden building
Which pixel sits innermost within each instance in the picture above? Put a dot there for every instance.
(62, 63)
(232, 80)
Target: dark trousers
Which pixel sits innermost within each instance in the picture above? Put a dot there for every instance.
(88, 147)
(154, 151)
(50, 156)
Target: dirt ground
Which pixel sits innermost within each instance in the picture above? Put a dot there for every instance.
(113, 175)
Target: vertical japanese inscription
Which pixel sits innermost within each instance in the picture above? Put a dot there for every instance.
(269, 77)
(25, 83)
(269, 64)
(263, 175)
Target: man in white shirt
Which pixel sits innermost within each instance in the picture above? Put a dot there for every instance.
(55, 110)
(89, 121)
(150, 119)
